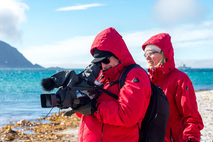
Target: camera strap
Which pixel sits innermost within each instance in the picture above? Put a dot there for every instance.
(108, 92)
(102, 89)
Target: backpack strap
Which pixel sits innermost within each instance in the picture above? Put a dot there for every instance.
(121, 80)
(122, 77)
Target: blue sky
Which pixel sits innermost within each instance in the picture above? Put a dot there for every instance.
(60, 33)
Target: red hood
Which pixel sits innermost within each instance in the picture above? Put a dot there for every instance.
(163, 41)
(110, 40)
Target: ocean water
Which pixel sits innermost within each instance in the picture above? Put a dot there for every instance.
(20, 91)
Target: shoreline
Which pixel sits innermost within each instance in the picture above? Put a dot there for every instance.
(56, 127)
(202, 90)
(65, 128)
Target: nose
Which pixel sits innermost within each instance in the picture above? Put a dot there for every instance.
(148, 57)
(103, 65)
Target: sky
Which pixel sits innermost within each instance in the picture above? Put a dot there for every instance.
(59, 33)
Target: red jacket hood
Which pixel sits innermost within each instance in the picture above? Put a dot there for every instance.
(110, 40)
(163, 41)
(116, 118)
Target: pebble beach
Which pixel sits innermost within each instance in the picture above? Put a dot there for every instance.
(205, 106)
(59, 127)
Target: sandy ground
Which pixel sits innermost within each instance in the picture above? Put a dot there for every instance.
(73, 131)
(63, 128)
(205, 107)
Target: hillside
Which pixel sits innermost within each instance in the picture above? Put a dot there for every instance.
(10, 57)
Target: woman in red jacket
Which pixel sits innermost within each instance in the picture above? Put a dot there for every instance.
(185, 121)
(116, 120)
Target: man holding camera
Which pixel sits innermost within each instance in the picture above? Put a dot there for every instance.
(111, 119)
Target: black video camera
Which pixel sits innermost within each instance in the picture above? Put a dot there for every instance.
(69, 83)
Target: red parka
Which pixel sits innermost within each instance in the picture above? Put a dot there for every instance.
(185, 121)
(116, 120)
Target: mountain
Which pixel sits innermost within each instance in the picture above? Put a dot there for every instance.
(10, 57)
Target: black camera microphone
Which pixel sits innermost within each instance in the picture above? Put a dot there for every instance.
(58, 79)
(48, 84)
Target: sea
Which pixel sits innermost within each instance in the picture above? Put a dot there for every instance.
(20, 91)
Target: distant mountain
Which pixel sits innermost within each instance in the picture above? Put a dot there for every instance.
(10, 57)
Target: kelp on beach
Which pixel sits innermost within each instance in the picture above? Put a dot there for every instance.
(25, 130)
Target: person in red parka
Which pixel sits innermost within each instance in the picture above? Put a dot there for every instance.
(116, 120)
(185, 121)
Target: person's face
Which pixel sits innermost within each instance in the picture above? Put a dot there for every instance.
(153, 58)
(112, 62)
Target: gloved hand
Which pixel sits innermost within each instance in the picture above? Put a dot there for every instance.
(83, 105)
(87, 109)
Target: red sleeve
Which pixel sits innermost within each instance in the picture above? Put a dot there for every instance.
(78, 114)
(132, 103)
(187, 106)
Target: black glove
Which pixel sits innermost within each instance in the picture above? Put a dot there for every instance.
(83, 105)
(87, 109)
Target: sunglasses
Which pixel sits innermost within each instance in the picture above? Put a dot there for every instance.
(106, 61)
(151, 53)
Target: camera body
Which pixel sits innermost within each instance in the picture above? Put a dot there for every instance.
(69, 83)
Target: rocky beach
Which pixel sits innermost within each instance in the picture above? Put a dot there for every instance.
(59, 127)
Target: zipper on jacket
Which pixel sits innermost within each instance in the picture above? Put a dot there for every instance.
(171, 135)
(102, 128)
